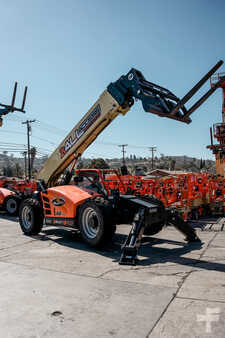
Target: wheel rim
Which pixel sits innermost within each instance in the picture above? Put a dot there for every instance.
(11, 206)
(90, 223)
(27, 217)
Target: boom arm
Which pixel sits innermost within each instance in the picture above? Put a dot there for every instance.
(118, 99)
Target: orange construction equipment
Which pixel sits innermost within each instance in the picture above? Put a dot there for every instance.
(13, 191)
(96, 214)
(218, 129)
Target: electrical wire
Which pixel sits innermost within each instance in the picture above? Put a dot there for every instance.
(57, 131)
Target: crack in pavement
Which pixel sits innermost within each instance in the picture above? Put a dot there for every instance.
(66, 272)
(208, 245)
(141, 269)
(187, 274)
(18, 245)
(202, 300)
(180, 284)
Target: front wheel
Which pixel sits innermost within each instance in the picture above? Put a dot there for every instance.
(31, 217)
(95, 223)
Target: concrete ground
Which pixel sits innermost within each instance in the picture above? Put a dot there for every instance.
(53, 285)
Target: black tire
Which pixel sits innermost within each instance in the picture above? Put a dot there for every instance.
(95, 222)
(11, 205)
(154, 228)
(31, 217)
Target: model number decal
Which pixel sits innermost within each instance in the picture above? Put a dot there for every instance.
(72, 139)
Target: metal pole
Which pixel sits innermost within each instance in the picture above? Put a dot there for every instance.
(211, 136)
(123, 151)
(152, 149)
(27, 122)
(25, 163)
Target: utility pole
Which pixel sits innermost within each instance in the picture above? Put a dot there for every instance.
(27, 122)
(123, 151)
(152, 149)
(25, 162)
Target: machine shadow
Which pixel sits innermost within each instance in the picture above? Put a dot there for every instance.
(4, 215)
(149, 252)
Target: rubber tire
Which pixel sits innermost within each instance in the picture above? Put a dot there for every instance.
(16, 201)
(154, 228)
(31, 209)
(102, 210)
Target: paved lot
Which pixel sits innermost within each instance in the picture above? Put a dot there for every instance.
(53, 285)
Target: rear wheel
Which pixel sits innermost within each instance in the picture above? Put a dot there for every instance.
(95, 222)
(31, 217)
(11, 205)
(154, 228)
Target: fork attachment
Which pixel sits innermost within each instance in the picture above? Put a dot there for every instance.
(133, 241)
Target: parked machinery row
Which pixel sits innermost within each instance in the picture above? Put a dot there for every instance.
(192, 194)
(13, 191)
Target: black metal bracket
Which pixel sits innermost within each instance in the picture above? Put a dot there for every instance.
(156, 99)
(11, 108)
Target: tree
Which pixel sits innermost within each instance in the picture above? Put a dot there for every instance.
(8, 171)
(98, 163)
(80, 164)
(201, 164)
(172, 164)
(18, 169)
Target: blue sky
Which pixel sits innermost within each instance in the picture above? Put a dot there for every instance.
(68, 52)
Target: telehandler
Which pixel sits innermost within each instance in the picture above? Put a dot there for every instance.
(96, 211)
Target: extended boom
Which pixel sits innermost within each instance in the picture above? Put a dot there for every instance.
(117, 99)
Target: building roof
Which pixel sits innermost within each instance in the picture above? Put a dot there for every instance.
(162, 172)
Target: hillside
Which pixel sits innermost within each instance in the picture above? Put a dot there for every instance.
(15, 166)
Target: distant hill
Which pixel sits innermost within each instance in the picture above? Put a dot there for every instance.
(15, 166)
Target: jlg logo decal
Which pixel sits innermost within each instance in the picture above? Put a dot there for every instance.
(58, 201)
(90, 119)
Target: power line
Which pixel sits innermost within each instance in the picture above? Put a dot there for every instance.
(17, 145)
(42, 139)
(20, 133)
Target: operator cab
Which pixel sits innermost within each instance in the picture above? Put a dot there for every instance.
(89, 181)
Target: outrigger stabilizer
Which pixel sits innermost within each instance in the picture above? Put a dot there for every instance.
(133, 241)
(11, 108)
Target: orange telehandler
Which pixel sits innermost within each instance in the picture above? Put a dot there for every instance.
(10, 198)
(91, 208)
(13, 191)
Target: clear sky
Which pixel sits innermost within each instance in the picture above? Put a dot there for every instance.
(67, 52)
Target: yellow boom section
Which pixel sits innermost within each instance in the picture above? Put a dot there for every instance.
(99, 116)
